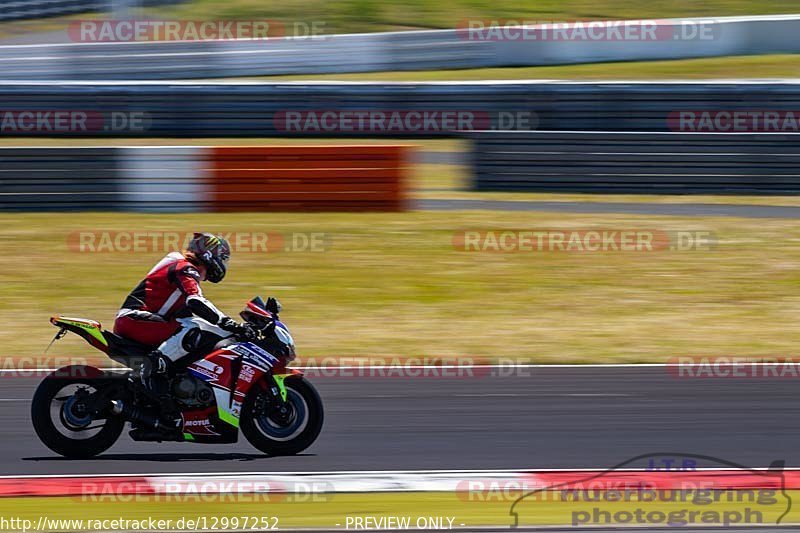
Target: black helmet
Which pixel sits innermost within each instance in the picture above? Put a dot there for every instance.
(214, 252)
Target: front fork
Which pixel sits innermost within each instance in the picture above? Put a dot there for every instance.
(277, 406)
(280, 384)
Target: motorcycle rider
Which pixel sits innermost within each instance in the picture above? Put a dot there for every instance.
(167, 310)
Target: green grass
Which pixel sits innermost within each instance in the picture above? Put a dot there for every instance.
(22, 28)
(751, 67)
(347, 16)
(393, 285)
(381, 15)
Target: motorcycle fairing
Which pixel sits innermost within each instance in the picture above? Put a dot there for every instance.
(254, 354)
(198, 422)
(89, 329)
(120, 349)
(246, 360)
(243, 362)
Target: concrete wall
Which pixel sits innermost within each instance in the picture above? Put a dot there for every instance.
(659, 163)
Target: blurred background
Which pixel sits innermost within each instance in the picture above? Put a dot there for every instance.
(516, 182)
(100, 99)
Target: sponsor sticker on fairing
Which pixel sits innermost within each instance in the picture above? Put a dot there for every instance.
(249, 349)
(247, 373)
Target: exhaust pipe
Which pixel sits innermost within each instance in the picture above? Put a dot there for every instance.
(133, 414)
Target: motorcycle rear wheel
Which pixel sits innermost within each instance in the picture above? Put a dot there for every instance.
(70, 435)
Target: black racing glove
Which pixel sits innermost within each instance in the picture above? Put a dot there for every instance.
(243, 331)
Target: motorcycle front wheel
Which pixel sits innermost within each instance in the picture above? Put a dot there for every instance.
(62, 420)
(289, 434)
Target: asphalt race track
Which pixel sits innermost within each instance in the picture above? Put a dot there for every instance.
(622, 208)
(575, 417)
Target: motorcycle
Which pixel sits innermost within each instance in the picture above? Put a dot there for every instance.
(79, 411)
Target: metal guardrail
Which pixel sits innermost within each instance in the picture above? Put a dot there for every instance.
(663, 163)
(58, 178)
(185, 109)
(412, 50)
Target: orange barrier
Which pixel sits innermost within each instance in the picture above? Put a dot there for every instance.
(308, 178)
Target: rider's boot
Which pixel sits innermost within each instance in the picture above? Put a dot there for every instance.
(153, 364)
(153, 376)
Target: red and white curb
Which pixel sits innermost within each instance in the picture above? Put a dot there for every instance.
(481, 482)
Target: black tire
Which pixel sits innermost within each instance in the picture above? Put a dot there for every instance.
(253, 426)
(49, 434)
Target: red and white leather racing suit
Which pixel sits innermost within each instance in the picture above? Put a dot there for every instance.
(167, 310)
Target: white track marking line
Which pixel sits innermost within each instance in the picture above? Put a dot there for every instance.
(731, 362)
(368, 472)
(544, 366)
(501, 395)
(595, 395)
(531, 395)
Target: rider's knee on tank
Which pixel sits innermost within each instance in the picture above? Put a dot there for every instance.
(197, 342)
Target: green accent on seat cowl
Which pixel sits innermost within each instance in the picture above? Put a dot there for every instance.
(91, 327)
